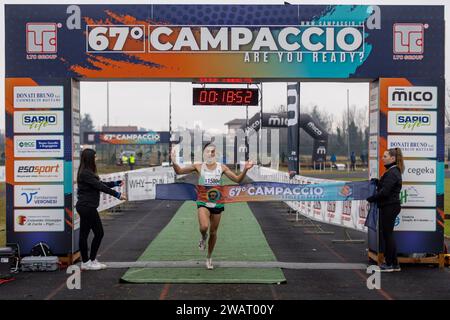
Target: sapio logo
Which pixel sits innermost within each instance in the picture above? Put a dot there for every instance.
(21, 220)
(409, 121)
(36, 121)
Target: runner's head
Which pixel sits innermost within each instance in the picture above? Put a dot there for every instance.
(209, 153)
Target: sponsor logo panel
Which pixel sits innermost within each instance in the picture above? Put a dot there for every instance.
(38, 220)
(39, 97)
(39, 171)
(39, 196)
(38, 122)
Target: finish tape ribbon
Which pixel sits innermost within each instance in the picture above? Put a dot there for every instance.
(266, 191)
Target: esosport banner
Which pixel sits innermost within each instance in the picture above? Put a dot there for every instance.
(132, 137)
(267, 191)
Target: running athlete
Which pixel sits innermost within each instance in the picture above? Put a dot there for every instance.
(209, 213)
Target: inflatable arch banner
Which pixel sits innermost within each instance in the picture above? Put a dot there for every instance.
(50, 48)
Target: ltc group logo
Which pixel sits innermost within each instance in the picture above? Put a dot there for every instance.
(409, 41)
(42, 40)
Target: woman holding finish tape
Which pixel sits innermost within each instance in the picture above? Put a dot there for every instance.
(387, 198)
(89, 187)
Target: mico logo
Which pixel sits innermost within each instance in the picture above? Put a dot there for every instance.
(409, 121)
(39, 121)
(402, 95)
(412, 97)
(276, 121)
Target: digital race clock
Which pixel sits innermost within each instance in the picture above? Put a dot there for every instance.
(225, 97)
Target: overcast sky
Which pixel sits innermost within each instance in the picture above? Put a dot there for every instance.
(147, 103)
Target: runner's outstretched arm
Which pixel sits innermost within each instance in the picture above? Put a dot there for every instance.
(234, 177)
(180, 170)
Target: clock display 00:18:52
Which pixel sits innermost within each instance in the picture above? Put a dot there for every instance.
(225, 96)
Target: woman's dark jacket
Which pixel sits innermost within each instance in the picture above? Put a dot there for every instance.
(89, 187)
(388, 187)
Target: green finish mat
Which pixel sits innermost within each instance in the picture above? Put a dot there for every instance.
(240, 238)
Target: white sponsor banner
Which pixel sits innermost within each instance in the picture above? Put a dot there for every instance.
(416, 220)
(38, 220)
(2, 174)
(38, 122)
(39, 97)
(412, 121)
(141, 185)
(39, 146)
(38, 170)
(373, 146)
(351, 214)
(412, 97)
(76, 123)
(373, 123)
(414, 146)
(39, 196)
(373, 168)
(374, 95)
(419, 171)
(418, 195)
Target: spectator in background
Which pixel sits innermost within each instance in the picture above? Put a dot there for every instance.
(353, 161)
(333, 160)
(159, 157)
(132, 161)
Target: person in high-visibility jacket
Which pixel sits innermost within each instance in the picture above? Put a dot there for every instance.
(124, 160)
(132, 161)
